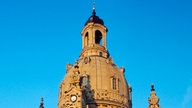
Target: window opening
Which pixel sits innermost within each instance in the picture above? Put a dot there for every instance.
(98, 37)
(86, 39)
(100, 53)
(114, 84)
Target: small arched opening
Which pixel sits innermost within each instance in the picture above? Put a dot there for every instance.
(98, 37)
(86, 39)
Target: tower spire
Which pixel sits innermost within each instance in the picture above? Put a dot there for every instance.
(94, 8)
(153, 99)
(41, 103)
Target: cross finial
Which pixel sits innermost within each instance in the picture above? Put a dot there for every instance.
(94, 7)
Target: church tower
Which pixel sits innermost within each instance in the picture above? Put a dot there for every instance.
(94, 81)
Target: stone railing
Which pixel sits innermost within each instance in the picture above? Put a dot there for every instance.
(110, 96)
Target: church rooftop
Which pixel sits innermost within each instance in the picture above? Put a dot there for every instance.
(95, 19)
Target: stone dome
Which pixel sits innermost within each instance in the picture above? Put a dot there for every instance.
(105, 81)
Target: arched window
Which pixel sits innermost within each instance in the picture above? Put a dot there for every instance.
(98, 37)
(86, 39)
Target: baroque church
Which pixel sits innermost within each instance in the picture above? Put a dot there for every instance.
(95, 81)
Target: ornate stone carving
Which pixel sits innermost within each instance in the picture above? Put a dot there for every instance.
(109, 60)
(153, 99)
(110, 96)
(69, 66)
(75, 78)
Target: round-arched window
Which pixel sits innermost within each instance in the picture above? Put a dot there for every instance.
(98, 37)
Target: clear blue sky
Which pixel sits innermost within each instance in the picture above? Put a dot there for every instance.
(152, 39)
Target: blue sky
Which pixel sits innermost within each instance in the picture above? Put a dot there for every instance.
(152, 39)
